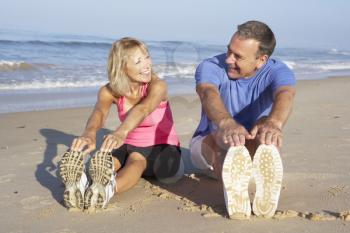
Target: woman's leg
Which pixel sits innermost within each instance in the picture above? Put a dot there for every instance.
(130, 174)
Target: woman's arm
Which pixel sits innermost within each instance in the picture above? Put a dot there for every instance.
(157, 92)
(87, 141)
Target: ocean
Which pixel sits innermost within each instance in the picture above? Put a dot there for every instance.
(50, 71)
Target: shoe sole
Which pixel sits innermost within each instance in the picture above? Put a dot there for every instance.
(72, 197)
(236, 174)
(71, 168)
(100, 170)
(268, 174)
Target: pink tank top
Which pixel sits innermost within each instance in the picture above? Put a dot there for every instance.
(157, 128)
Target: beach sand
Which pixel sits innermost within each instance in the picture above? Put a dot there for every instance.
(314, 198)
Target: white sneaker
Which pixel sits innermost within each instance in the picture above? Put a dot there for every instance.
(268, 174)
(71, 171)
(236, 174)
(103, 186)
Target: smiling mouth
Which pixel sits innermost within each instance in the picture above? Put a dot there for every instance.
(232, 69)
(146, 72)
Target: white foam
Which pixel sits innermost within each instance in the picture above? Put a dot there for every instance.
(47, 84)
(21, 65)
(10, 63)
(290, 64)
(175, 70)
(335, 66)
(14, 65)
(337, 52)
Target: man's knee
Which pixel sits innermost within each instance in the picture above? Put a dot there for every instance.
(206, 155)
(200, 147)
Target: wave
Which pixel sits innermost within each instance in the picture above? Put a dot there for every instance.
(175, 70)
(48, 84)
(337, 52)
(56, 43)
(8, 66)
(316, 66)
(290, 64)
(13, 66)
(335, 66)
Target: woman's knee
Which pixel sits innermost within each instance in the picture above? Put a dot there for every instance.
(137, 159)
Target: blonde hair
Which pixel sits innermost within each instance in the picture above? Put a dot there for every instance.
(121, 49)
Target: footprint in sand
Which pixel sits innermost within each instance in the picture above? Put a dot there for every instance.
(35, 202)
(283, 214)
(6, 178)
(320, 217)
(65, 230)
(345, 215)
(336, 190)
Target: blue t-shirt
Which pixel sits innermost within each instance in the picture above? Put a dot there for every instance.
(247, 100)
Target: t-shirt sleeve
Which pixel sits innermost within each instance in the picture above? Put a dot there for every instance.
(282, 76)
(208, 72)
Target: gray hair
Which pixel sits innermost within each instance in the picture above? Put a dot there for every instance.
(260, 32)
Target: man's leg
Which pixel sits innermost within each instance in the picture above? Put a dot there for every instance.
(231, 165)
(207, 156)
(268, 174)
(252, 145)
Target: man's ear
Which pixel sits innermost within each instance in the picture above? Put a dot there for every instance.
(262, 60)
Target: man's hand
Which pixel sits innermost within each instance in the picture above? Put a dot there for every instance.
(86, 144)
(267, 132)
(230, 133)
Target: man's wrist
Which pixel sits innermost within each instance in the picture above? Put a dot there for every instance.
(89, 135)
(223, 122)
(275, 122)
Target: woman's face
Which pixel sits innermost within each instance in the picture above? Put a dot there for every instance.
(139, 66)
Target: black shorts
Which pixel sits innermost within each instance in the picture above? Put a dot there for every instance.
(163, 160)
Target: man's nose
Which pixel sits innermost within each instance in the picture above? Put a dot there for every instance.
(230, 59)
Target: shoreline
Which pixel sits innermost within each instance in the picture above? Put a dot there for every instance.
(44, 98)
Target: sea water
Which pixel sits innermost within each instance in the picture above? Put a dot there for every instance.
(48, 71)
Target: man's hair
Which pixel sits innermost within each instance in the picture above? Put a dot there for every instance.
(260, 32)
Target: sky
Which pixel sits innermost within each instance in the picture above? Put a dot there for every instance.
(296, 23)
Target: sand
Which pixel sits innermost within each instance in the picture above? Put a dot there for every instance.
(315, 196)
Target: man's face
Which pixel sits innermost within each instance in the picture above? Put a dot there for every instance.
(241, 59)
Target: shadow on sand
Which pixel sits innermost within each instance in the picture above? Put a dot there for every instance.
(46, 172)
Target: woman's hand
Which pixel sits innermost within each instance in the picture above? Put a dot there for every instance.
(84, 143)
(112, 141)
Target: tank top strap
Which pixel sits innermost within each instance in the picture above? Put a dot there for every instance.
(120, 104)
(144, 89)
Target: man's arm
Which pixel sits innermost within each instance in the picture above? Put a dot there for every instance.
(269, 130)
(283, 105)
(212, 103)
(229, 131)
